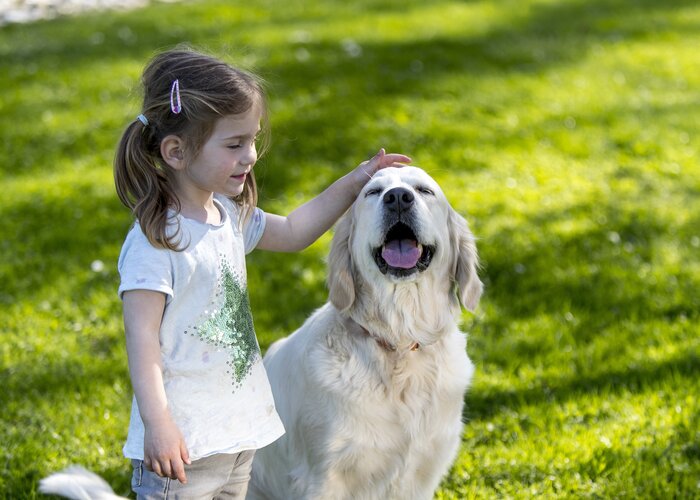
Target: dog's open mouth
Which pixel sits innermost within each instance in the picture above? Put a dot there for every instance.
(402, 254)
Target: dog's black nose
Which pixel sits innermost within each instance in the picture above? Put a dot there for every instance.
(398, 199)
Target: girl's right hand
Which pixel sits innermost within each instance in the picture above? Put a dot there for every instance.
(365, 170)
(164, 450)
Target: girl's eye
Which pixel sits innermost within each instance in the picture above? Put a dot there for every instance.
(372, 192)
(253, 141)
(424, 190)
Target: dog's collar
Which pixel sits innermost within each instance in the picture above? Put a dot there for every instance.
(382, 342)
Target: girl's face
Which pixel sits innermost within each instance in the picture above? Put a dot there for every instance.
(227, 157)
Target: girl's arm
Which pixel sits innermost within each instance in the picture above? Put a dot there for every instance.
(309, 221)
(165, 452)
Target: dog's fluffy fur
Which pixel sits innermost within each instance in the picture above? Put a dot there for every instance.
(371, 387)
(79, 484)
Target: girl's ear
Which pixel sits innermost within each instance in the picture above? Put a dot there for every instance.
(173, 152)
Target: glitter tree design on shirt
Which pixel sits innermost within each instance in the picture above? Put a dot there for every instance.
(231, 327)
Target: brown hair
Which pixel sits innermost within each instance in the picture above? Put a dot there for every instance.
(209, 89)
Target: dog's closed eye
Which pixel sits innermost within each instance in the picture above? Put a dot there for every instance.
(372, 192)
(425, 190)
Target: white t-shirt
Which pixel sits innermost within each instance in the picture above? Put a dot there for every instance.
(216, 385)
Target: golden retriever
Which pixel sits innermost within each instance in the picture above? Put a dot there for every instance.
(371, 387)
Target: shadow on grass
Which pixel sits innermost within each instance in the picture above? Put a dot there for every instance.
(617, 472)
(613, 267)
(484, 405)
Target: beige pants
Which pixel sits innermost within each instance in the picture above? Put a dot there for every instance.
(221, 476)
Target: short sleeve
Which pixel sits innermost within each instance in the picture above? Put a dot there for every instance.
(254, 229)
(144, 267)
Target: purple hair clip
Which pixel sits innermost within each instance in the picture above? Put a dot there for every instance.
(175, 104)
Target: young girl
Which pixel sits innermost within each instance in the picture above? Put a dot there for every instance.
(202, 401)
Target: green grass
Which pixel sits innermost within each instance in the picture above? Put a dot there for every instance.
(566, 131)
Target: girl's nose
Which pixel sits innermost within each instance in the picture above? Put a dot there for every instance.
(251, 155)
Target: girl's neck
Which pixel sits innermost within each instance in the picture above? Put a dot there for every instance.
(206, 212)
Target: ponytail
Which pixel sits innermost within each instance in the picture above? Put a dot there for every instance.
(143, 184)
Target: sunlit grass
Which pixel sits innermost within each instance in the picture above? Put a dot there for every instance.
(565, 130)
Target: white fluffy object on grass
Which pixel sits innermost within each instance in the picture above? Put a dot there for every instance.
(79, 484)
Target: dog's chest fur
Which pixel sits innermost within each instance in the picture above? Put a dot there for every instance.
(391, 409)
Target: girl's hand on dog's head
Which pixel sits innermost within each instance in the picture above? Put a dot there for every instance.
(382, 159)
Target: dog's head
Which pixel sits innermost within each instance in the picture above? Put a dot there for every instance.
(401, 229)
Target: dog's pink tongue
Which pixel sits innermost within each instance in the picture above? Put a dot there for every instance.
(403, 254)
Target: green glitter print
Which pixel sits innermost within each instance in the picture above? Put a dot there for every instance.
(231, 327)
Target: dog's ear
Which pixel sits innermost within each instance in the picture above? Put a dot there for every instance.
(465, 262)
(341, 285)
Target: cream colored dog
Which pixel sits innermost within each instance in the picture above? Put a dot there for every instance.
(371, 387)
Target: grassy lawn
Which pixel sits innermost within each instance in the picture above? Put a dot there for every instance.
(566, 131)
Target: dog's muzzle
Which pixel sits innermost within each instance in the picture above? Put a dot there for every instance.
(401, 254)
